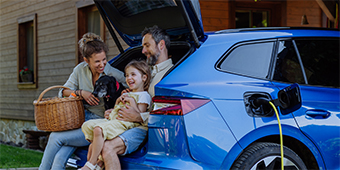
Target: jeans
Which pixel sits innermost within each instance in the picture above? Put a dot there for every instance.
(61, 145)
(132, 139)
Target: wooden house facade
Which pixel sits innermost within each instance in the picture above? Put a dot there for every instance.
(41, 36)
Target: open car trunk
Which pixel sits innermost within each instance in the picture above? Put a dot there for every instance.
(178, 52)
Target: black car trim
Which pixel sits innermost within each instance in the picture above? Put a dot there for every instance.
(189, 24)
(237, 30)
(300, 61)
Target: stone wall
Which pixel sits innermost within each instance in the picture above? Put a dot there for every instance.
(12, 130)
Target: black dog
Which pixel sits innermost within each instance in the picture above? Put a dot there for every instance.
(108, 88)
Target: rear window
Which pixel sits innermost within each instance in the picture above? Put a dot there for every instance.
(128, 8)
(250, 60)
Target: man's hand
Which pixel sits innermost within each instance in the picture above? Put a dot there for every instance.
(129, 114)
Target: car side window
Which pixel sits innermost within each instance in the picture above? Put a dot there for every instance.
(288, 68)
(250, 60)
(320, 58)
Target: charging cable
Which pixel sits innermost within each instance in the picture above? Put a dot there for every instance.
(289, 99)
(281, 137)
(257, 103)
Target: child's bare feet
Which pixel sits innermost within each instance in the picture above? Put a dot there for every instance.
(100, 165)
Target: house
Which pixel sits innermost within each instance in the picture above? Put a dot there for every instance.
(41, 36)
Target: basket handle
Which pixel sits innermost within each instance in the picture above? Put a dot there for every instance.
(48, 89)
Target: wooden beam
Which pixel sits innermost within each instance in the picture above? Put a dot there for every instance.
(326, 10)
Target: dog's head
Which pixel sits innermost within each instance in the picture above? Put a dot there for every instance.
(105, 86)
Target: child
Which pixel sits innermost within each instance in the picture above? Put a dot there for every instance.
(97, 131)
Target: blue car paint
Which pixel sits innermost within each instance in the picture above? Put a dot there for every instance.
(200, 82)
(215, 134)
(227, 96)
(167, 146)
(205, 146)
(321, 99)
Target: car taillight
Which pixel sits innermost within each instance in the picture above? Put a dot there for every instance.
(176, 106)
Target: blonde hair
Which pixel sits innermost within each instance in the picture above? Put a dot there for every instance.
(144, 69)
(90, 44)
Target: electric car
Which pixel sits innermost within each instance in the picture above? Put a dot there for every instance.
(206, 115)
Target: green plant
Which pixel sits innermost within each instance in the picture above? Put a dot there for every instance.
(24, 71)
(16, 157)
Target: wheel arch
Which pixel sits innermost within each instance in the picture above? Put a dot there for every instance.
(293, 138)
(297, 146)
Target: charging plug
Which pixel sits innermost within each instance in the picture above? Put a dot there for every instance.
(257, 104)
(259, 101)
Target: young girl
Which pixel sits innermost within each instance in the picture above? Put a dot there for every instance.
(97, 131)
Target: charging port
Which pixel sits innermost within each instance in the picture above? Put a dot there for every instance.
(257, 104)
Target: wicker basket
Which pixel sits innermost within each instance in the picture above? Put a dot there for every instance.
(58, 114)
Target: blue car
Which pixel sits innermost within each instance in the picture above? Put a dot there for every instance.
(210, 107)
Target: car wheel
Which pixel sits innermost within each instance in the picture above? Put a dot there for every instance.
(268, 156)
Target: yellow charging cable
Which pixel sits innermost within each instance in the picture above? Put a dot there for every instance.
(281, 138)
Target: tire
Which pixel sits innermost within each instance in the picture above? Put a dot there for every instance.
(267, 156)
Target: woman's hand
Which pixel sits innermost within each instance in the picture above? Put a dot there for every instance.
(89, 98)
(107, 113)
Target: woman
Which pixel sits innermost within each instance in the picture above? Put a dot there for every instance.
(61, 145)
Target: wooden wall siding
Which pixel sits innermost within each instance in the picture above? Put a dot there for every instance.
(113, 49)
(218, 14)
(297, 8)
(56, 27)
(215, 14)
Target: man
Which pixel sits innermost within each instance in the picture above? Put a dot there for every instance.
(156, 43)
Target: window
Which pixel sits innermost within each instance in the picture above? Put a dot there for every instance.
(288, 68)
(260, 13)
(251, 18)
(27, 52)
(320, 58)
(89, 20)
(251, 60)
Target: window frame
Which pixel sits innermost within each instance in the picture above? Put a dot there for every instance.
(276, 9)
(274, 61)
(251, 16)
(21, 21)
(300, 59)
(82, 8)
